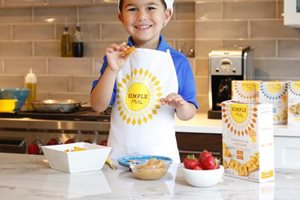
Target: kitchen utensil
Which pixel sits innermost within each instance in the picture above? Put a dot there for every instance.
(7, 105)
(57, 106)
(203, 178)
(153, 169)
(21, 94)
(91, 158)
(139, 159)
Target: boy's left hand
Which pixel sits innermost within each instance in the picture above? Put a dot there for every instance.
(174, 100)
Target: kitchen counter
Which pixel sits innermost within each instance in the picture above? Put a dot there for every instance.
(201, 124)
(30, 177)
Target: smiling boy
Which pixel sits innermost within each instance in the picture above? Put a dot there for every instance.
(145, 125)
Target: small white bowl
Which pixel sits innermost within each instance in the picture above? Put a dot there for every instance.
(203, 178)
(92, 158)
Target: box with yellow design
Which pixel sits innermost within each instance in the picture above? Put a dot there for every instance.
(274, 92)
(294, 103)
(248, 151)
(244, 91)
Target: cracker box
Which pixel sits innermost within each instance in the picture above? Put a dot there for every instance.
(244, 91)
(274, 92)
(294, 103)
(248, 151)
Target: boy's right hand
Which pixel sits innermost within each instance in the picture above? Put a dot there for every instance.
(116, 56)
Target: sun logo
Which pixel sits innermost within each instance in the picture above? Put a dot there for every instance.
(239, 118)
(138, 97)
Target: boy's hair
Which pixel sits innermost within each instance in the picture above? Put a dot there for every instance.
(121, 4)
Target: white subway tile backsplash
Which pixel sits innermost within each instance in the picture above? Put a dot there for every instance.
(113, 31)
(289, 48)
(15, 15)
(10, 49)
(209, 10)
(249, 10)
(99, 13)
(82, 84)
(272, 29)
(47, 48)
(33, 32)
(5, 32)
(11, 81)
(55, 15)
(22, 65)
(23, 2)
(70, 66)
(53, 83)
(221, 29)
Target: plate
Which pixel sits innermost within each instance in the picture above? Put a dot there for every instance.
(138, 159)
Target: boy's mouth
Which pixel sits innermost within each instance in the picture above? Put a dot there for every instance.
(143, 27)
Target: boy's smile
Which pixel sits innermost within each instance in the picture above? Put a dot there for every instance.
(144, 20)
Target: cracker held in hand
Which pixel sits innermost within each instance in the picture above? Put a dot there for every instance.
(128, 51)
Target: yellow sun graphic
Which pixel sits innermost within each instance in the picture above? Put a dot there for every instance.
(138, 97)
(239, 119)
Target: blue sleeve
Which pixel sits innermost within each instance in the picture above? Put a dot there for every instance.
(186, 81)
(95, 82)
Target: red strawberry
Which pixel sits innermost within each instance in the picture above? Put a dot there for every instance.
(190, 161)
(197, 167)
(210, 162)
(203, 155)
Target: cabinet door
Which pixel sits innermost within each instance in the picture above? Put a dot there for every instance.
(194, 143)
(287, 150)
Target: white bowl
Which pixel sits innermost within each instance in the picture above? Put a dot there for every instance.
(203, 178)
(92, 158)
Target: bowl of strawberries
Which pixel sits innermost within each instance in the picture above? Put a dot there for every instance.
(202, 171)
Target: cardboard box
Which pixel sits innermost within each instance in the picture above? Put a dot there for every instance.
(248, 151)
(294, 103)
(244, 91)
(274, 92)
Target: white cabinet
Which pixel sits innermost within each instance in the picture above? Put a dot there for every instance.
(292, 13)
(287, 151)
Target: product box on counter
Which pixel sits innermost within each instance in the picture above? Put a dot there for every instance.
(294, 103)
(248, 151)
(244, 90)
(276, 93)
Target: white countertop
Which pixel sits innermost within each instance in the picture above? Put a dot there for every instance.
(201, 124)
(29, 177)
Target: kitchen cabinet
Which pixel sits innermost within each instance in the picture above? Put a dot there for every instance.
(287, 150)
(194, 143)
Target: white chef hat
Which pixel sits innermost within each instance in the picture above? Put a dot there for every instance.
(169, 4)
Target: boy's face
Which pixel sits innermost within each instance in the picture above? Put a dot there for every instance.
(144, 20)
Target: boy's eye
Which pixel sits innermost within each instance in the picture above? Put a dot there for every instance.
(131, 9)
(151, 8)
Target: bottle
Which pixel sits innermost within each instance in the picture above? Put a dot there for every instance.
(31, 84)
(78, 47)
(66, 43)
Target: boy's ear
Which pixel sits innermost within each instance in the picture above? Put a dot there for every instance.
(120, 16)
(168, 16)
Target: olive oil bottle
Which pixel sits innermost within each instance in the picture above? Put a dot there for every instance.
(66, 42)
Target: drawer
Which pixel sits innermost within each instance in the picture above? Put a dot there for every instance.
(287, 150)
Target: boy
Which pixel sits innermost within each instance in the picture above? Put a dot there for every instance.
(142, 122)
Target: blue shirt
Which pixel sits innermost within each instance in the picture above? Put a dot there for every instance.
(186, 81)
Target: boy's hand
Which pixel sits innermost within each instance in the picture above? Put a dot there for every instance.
(116, 56)
(174, 100)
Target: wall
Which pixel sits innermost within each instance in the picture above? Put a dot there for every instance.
(28, 40)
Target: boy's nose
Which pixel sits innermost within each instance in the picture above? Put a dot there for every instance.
(142, 15)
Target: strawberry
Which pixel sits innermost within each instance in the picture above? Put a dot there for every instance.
(197, 167)
(190, 161)
(210, 162)
(203, 155)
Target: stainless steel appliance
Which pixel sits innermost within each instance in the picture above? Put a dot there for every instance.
(20, 129)
(225, 66)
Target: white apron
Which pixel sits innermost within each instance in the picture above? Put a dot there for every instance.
(140, 125)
